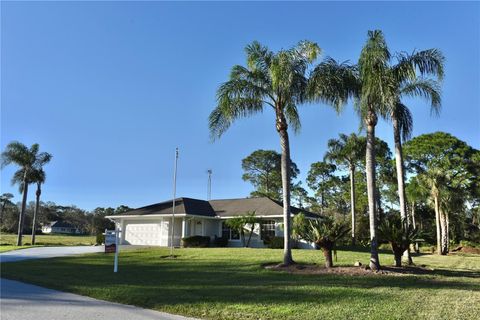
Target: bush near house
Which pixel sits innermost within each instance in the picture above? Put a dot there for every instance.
(220, 242)
(274, 242)
(195, 242)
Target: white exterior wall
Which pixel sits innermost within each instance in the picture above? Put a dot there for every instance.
(156, 231)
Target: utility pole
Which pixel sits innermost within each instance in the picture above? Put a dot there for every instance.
(209, 184)
(174, 195)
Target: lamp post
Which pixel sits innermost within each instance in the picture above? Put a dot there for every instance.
(209, 184)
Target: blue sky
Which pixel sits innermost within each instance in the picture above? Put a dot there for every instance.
(111, 88)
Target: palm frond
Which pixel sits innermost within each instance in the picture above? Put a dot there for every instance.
(258, 56)
(427, 62)
(236, 98)
(333, 83)
(292, 116)
(425, 88)
(405, 120)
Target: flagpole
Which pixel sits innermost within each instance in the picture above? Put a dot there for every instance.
(174, 195)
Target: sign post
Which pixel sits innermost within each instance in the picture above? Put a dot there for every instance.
(111, 245)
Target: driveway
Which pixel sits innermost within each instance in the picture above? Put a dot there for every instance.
(25, 301)
(47, 252)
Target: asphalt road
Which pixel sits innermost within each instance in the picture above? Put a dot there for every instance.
(21, 301)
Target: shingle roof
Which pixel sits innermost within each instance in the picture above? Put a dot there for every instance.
(182, 205)
(61, 224)
(262, 206)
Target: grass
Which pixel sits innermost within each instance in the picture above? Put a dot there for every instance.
(9, 240)
(8, 247)
(229, 283)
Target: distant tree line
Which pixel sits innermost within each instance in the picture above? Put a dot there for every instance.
(438, 165)
(88, 222)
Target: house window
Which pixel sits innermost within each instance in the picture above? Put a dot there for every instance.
(228, 233)
(267, 229)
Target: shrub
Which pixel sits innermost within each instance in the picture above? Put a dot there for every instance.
(100, 238)
(275, 243)
(220, 241)
(464, 243)
(195, 242)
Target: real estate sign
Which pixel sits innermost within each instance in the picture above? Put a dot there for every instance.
(110, 241)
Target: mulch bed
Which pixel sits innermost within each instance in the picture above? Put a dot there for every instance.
(352, 271)
(467, 250)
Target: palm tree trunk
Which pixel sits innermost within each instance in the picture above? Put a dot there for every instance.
(437, 224)
(447, 233)
(352, 200)
(378, 205)
(22, 213)
(371, 122)
(250, 235)
(285, 144)
(400, 171)
(401, 180)
(444, 227)
(413, 216)
(327, 253)
(37, 205)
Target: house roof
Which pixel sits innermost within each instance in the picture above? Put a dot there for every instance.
(182, 205)
(60, 224)
(262, 206)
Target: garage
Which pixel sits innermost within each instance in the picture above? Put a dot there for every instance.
(152, 234)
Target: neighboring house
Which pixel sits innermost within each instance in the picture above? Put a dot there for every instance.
(60, 227)
(151, 225)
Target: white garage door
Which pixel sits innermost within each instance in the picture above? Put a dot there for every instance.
(147, 233)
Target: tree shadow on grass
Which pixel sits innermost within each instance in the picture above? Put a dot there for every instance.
(177, 272)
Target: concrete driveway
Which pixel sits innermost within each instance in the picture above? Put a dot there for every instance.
(47, 252)
(25, 301)
(19, 300)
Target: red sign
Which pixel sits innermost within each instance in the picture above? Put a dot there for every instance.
(110, 238)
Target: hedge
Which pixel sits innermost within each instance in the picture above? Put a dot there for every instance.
(195, 242)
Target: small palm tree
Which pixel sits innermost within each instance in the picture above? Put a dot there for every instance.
(4, 200)
(325, 233)
(347, 151)
(29, 160)
(399, 235)
(272, 80)
(241, 223)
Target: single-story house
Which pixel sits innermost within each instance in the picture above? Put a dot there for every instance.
(151, 225)
(60, 227)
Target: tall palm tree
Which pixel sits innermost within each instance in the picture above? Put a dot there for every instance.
(369, 84)
(347, 151)
(28, 159)
(373, 100)
(38, 177)
(270, 80)
(408, 78)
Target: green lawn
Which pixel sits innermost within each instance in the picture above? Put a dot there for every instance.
(9, 240)
(228, 283)
(8, 247)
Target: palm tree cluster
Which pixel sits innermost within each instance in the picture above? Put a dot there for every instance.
(285, 79)
(30, 162)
